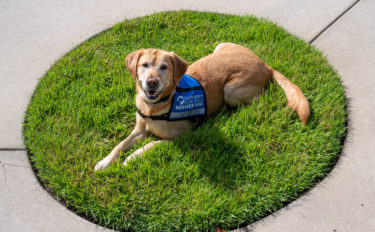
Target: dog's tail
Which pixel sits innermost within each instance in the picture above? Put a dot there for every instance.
(296, 99)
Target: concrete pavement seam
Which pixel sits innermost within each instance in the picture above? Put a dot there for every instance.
(12, 149)
(333, 21)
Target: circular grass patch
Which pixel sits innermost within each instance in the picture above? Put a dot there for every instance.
(238, 167)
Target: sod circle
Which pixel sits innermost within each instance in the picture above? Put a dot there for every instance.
(239, 166)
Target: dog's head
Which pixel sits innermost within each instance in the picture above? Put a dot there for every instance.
(156, 72)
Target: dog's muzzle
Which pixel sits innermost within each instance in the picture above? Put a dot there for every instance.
(153, 88)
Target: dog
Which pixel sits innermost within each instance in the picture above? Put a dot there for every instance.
(231, 75)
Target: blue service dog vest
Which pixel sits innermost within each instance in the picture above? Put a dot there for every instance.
(189, 100)
(188, 103)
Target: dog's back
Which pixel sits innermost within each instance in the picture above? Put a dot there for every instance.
(233, 75)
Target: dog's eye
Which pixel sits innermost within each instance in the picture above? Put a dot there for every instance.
(163, 67)
(145, 65)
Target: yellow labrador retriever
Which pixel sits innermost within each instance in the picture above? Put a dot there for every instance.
(231, 75)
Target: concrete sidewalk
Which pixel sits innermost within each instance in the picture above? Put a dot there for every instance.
(34, 34)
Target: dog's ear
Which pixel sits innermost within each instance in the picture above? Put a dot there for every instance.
(132, 62)
(179, 67)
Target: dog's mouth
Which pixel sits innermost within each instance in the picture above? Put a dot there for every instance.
(152, 94)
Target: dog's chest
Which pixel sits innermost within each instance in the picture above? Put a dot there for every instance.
(168, 129)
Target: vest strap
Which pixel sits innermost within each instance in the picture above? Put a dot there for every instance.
(165, 117)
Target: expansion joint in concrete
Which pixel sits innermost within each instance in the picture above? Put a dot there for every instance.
(333, 21)
(12, 149)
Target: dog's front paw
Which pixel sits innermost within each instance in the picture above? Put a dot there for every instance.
(125, 163)
(101, 165)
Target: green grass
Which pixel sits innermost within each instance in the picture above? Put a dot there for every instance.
(238, 167)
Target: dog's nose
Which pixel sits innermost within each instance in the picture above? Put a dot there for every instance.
(152, 83)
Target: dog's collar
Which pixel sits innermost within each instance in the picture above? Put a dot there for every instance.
(163, 99)
(157, 117)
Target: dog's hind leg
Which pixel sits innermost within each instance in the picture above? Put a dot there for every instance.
(141, 151)
(238, 92)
